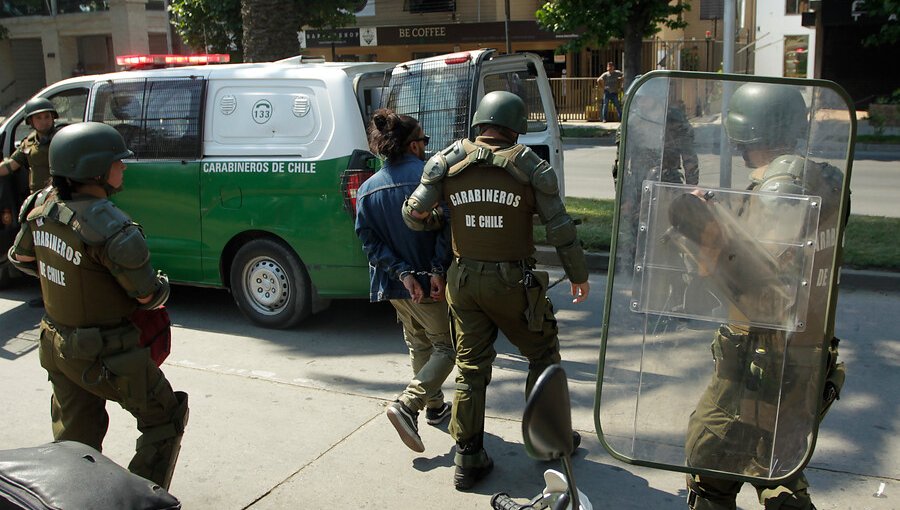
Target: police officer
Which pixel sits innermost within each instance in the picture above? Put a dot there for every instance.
(95, 271)
(678, 145)
(33, 152)
(493, 187)
(765, 122)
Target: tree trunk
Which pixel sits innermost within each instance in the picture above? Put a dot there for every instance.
(270, 29)
(633, 41)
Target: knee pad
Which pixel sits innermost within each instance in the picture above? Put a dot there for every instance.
(158, 447)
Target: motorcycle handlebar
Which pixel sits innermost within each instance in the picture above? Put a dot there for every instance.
(502, 501)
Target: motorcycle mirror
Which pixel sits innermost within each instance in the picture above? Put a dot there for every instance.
(547, 420)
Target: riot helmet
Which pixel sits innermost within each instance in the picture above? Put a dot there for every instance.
(38, 105)
(766, 116)
(84, 151)
(650, 101)
(502, 108)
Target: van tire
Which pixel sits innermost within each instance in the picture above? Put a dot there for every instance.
(270, 285)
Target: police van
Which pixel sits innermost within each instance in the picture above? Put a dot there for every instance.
(245, 175)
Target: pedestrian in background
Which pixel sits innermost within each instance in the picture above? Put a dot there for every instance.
(493, 187)
(95, 273)
(610, 83)
(407, 269)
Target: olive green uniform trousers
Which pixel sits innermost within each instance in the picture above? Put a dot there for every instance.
(122, 372)
(426, 331)
(485, 297)
(719, 438)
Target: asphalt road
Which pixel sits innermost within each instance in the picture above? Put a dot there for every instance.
(875, 178)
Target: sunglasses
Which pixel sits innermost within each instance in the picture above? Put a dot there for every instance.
(425, 139)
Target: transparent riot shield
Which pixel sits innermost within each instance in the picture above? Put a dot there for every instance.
(732, 197)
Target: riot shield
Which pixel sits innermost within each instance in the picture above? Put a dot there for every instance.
(722, 287)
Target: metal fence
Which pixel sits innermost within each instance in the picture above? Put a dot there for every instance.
(579, 99)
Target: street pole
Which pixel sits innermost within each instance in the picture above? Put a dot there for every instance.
(506, 28)
(727, 90)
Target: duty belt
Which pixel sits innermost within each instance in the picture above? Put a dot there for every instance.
(88, 343)
(484, 266)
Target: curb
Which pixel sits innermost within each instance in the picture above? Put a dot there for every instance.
(863, 279)
(861, 150)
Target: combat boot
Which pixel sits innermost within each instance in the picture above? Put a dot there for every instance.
(472, 463)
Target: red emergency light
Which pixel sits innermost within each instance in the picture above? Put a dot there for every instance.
(160, 60)
(458, 58)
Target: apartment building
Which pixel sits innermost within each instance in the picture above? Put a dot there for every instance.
(51, 40)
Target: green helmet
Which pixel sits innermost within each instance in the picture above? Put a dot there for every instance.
(38, 105)
(86, 150)
(767, 115)
(502, 109)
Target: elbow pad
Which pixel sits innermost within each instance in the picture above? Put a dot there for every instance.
(160, 296)
(561, 230)
(29, 268)
(435, 221)
(425, 197)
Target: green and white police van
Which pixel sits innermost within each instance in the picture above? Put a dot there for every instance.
(245, 175)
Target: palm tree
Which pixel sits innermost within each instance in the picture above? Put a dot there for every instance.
(270, 29)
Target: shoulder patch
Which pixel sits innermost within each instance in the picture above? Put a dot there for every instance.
(99, 220)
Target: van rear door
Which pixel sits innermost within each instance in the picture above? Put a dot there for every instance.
(524, 75)
(443, 92)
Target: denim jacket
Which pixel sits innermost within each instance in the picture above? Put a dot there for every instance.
(391, 246)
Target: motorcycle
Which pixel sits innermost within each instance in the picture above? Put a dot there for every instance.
(547, 433)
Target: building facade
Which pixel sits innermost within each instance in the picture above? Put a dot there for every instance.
(51, 40)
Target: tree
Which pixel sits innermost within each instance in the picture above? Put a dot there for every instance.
(213, 25)
(887, 11)
(602, 20)
(260, 29)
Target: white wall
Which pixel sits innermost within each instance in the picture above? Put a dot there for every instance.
(772, 25)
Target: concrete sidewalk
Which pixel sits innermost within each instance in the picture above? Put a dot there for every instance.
(295, 419)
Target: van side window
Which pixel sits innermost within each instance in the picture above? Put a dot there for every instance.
(159, 118)
(69, 104)
(524, 85)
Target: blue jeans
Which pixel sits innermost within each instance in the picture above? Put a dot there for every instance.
(607, 97)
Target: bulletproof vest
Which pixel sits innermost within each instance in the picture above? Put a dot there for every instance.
(38, 152)
(490, 213)
(78, 290)
(822, 180)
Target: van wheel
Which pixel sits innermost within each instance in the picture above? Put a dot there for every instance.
(270, 285)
